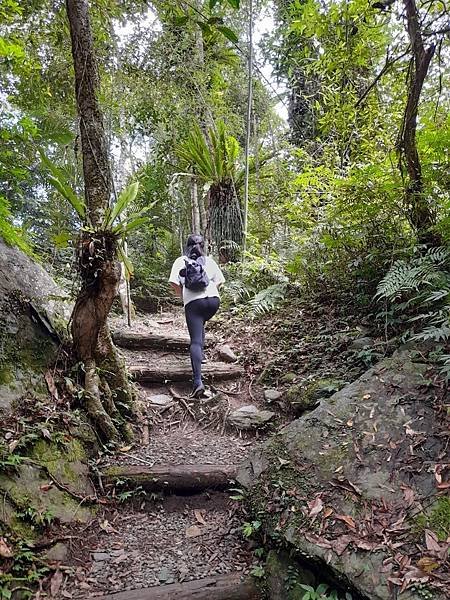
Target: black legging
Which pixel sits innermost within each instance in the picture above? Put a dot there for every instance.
(197, 313)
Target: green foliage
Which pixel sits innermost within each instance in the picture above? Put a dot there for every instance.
(250, 528)
(213, 158)
(322, 592)
(419, 290)
(11, 235)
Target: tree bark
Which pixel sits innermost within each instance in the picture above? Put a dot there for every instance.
(99, 269)
(182, 371)
(196, 227)
(164, 341)
(219, 587)
(421, 215)
(173, 478)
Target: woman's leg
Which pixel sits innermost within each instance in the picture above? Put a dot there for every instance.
(195, 320)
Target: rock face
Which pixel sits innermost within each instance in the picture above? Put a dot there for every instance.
(345, 486)
(305, 396)
(33, 316)
(249, 417)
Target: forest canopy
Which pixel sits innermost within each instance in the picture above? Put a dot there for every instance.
(357, 177)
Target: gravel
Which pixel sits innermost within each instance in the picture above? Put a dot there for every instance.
(178, 540)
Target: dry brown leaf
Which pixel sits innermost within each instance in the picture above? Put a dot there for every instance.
(55, 583)
(199, 516)
(315, 506)
(347, 519)
(427, 564)
(51, 384)
(318, 541)
(125, 448)
(328, 511)
(193, 531)
(340, 544)
(45, 487)
(431, 541)
(5, 550)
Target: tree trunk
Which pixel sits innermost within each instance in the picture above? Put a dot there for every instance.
(99, 269)
(172, 478)
(420, 213)
(196, 228)
(226, 227)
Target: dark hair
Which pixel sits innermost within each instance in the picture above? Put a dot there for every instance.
(195, 246)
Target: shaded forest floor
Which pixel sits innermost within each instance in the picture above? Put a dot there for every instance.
(144, 539)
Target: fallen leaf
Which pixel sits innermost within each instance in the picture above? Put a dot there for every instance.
(365, 545)
(198, 515)
(431, 541)
(125, 448)
(46, 433)
(318, 541)
(327, 513)
(5, 550)
(409, 495)
(45, 487)
(427, 564)
(55, 583)
(315, 506)
(347, 519)
(51, 384)
(193, 531)
(340, 544)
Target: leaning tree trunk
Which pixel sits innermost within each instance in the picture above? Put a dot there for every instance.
(105, 376)
(421, 215)
(226, 226)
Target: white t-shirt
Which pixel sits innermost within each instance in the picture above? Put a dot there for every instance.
(213, 271)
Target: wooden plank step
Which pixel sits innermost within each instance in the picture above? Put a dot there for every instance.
(173, 478)
(151, 340)
(181, 371)
(221, 587)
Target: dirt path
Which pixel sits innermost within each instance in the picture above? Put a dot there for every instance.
(150, 540)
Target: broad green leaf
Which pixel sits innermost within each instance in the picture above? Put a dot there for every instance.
(126, 196)
(66, 191)
(212, 3)
(228, 33)
(126, 261)
(234, 3)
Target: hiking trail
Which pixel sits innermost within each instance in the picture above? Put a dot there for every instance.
(174, 532)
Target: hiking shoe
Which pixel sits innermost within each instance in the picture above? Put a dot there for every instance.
(198, 391)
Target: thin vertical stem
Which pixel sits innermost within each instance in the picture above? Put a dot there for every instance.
(248, 121)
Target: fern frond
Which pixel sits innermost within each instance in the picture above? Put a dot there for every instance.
(267, 299)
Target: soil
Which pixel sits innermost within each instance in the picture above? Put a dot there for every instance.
(146, 540)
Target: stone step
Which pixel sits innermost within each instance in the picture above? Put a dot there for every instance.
(221, 587)
(166, 371)
(155, 340)
(173, 478)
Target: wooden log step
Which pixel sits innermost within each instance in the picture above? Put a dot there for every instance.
(163, 341)
(173, 478)
(181, 371)
(221, 587)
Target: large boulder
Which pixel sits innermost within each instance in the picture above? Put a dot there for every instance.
(34, 312)
(354, 486)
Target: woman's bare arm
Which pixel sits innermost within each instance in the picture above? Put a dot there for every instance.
(177, 289)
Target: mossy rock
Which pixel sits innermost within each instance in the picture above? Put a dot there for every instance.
(340, 452)
(284, 577)
(301, 397)
(34, 313)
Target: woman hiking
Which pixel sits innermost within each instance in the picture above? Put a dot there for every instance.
(196, 278)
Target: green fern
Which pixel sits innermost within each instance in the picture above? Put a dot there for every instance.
(267, 299)
(411, 276)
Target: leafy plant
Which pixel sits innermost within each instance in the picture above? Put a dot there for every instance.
(250, 528)
(322, 592)
(419, 291)
(115, 220)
